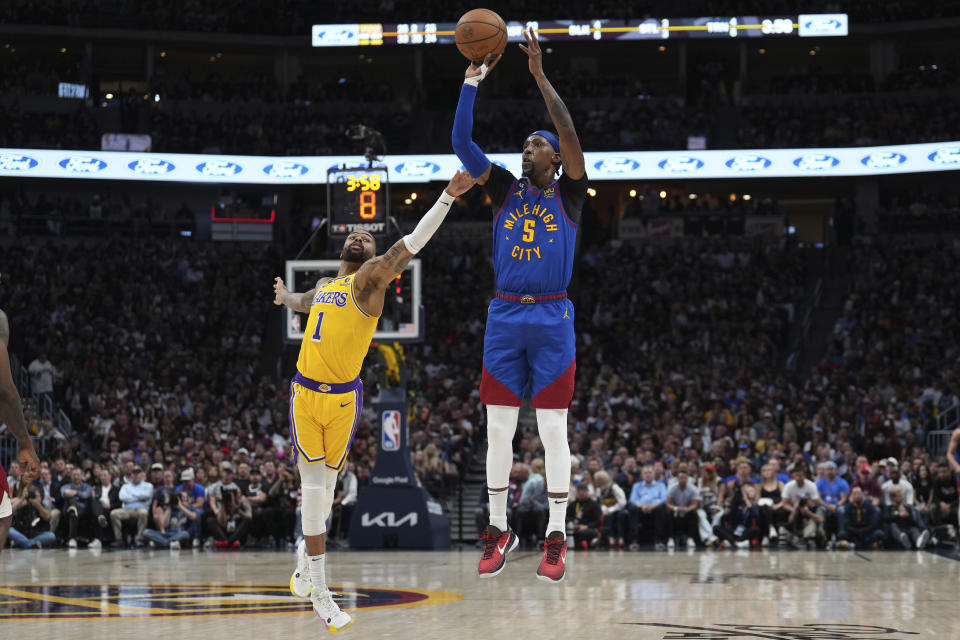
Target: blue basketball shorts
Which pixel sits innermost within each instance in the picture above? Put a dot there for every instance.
(529, 344)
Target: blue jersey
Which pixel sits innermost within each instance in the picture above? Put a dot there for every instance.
(534, 232)
(529, 340)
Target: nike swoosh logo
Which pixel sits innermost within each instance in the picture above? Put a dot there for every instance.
(504, 546)
(343, 405)
(559, 501)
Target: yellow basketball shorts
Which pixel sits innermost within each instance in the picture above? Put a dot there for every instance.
(323, 424)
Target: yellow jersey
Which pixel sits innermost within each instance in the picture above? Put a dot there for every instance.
(338, 334)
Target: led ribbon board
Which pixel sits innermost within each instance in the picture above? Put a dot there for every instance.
(817, 25)
(608, 165)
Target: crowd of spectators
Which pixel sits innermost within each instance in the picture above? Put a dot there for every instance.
(932, 213)
(818, 81)
(156, 349)
(684, 432)
(861, 121)
(288, 129)
(185, 111)
(311, 128)
(270, 129)
(287, 17)
(698, 450)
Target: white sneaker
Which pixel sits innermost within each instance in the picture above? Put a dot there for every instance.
(300, 580)
(72, 544)
(743, 544)
(671, 544)
(175, 545)
(923, 539)
(765, 542)
(329, 613)
(691, 543)
(196, 543)
(95, 544)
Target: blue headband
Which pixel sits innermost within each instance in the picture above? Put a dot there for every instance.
(551, 138)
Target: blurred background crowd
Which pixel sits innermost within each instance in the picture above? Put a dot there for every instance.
(768, 364)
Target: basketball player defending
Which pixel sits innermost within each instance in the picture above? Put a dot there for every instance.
(529, 335)
(326, 395)
(11, 414)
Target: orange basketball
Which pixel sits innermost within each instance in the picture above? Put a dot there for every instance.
(480, 32)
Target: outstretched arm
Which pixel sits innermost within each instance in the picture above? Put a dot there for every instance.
(571, 154)
(469, 153)
(296, 301)
(375, 274)
(11, 408)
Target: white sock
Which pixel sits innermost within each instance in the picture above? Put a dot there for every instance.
(317, 577)
(558, 515)
(498, 509)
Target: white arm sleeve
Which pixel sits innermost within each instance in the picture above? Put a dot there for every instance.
(428, 225)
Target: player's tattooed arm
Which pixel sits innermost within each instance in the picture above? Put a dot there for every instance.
(571, 154)
(297, 301)
(376, 273)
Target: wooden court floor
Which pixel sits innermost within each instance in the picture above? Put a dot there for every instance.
(770, 595)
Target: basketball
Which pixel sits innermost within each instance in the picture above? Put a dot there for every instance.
(479, 33)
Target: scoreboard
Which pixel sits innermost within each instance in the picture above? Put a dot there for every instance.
(818, 25)
(357, 199)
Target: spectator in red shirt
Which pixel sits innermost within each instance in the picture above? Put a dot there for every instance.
(866, 481)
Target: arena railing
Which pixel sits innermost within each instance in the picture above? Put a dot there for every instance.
(937, 442)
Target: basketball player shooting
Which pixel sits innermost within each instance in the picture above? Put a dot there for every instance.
(529, 336)
(11, 414)
(326, 394)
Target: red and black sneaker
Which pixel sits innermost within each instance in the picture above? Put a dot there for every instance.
(496, 546)
(554, 555)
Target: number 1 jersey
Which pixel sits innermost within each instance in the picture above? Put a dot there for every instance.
(338, 334)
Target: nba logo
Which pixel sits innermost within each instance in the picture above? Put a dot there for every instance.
(391, 430)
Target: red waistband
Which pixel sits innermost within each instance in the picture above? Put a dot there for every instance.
(528, 299)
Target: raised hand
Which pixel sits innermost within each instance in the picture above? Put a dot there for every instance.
(534, 54)
(279, 290)
(475, 70)
(460, 184)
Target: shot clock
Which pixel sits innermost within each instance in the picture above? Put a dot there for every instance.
(358, 199)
